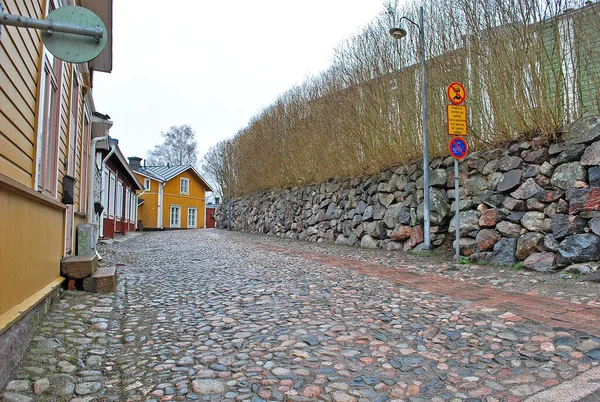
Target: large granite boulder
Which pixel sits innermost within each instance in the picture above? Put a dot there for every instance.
(579, 248)
(541, 262)
(583, 131)
(566, 175)
(504, 252)
(564, 225)
(439, 207)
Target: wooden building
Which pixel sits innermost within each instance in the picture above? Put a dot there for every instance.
(46, 108)
(174, 197)
(118, 195)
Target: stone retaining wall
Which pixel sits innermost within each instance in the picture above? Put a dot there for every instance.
(532, 202)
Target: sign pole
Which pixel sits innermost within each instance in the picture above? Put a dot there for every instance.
(457, 215)
(458, 147)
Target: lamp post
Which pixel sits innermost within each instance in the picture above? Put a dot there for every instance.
(399, 33)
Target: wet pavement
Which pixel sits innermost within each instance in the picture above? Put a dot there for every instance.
(217, 315)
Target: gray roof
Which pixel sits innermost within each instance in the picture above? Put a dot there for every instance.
(166, 173)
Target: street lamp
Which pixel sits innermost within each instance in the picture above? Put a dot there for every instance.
(399, 33)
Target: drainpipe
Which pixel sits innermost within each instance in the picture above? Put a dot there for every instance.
(161, 187)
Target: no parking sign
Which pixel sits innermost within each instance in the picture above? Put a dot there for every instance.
(458, 148)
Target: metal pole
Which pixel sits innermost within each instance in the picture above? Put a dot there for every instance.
(229, 196)
(50, 26)
(457, 215)
(427, 223)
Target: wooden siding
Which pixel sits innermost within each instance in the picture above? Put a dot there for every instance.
(148, 211)
(195, 198)
(31, 245)
(20, 51)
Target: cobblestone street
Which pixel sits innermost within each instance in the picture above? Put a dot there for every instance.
(217, 315)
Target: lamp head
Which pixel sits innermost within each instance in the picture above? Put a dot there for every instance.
(398, 33)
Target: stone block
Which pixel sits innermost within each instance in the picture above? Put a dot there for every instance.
(104, 280)
(79, 266)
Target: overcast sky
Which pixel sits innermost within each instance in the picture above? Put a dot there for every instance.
(214, 64)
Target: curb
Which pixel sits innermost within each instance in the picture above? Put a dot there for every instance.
(573, 390)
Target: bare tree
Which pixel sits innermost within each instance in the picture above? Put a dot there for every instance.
(216, 165)
(178, 148)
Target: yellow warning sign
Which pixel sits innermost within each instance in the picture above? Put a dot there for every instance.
(457, 120)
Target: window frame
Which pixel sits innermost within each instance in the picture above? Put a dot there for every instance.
(48, 130)
(119, 200)
(147, 184)
(178, 215)
(184, 189)
(112, 189)
(195, 210)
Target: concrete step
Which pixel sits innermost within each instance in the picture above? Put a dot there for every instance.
(79, 266)
(104, 280)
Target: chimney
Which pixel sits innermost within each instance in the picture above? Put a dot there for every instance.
(135, 162)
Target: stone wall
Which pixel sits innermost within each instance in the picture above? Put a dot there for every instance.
(533, 202)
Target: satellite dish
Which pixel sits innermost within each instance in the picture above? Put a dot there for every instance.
(70, 47)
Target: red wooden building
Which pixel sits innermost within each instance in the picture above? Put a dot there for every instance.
(119, 187)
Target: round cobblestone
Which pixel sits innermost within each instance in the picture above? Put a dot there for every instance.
(215, 315)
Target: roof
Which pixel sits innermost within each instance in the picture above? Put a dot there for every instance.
(166, 173)
(118, 156)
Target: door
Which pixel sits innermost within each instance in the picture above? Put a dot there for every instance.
(192, 218)
(175, 221)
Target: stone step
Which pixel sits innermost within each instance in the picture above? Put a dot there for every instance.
(79, 266)
(104, 280)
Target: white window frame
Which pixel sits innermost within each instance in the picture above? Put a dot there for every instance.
(111, 195)
(119, 200)
(104, 197)
(146, 184)
(175, 223)
(127, 203)
(194, 216)
(184, 186)
(132, 207)
(48, 132)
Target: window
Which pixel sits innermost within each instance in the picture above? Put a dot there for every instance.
(127, 203)
(85, 162)
(104, 193)
(184, 187)
(48, 125)
(146, 184)
(119, 199)
(175, 216)
(192, 218)
(74, 123)
(111, 196)
(133, 206)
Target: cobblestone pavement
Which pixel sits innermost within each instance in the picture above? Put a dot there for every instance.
(216, 315)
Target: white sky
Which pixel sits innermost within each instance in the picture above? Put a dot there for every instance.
(214, 64)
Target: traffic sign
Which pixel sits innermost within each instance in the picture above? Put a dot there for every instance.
(456, 93)
(457, 119)
(74, 48)
(458, 148)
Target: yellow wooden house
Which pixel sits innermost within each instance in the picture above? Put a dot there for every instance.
(174, 197)
(46, 152)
